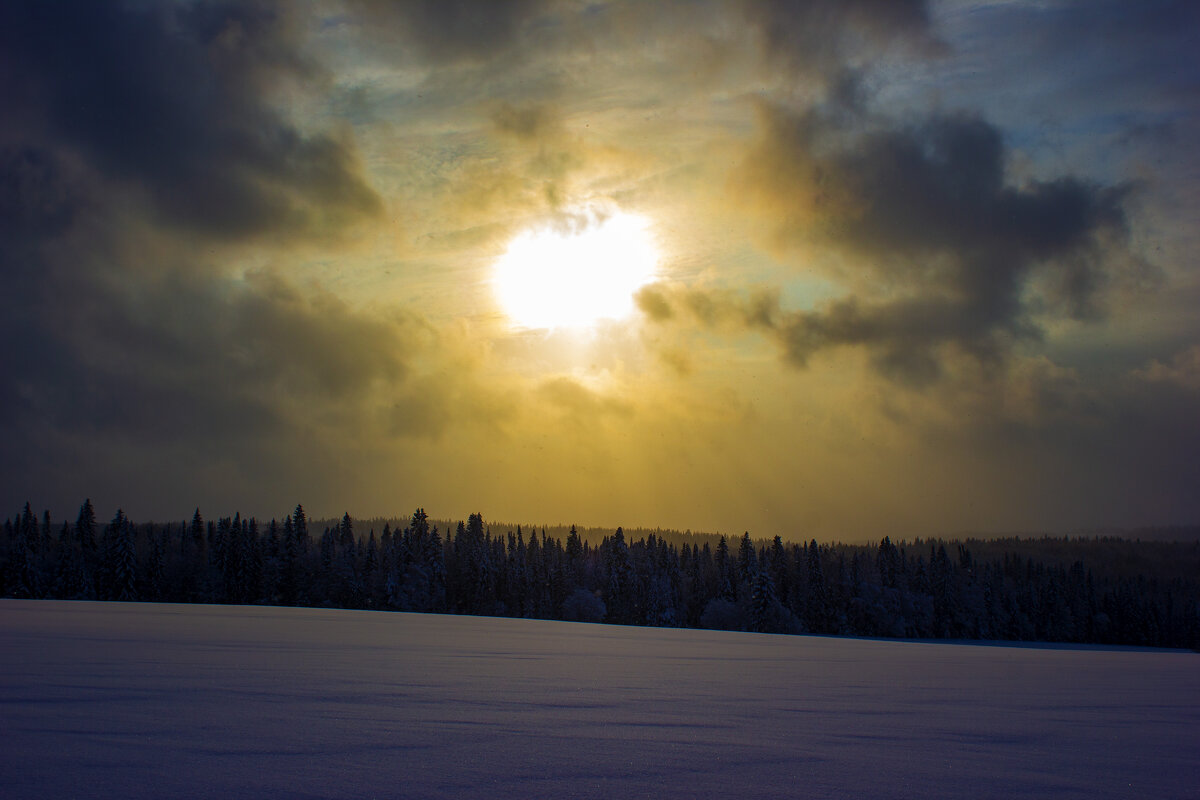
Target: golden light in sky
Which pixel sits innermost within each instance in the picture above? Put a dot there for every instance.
(606, 262)
(574, 276)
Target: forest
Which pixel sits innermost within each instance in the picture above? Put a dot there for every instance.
(1052, 589)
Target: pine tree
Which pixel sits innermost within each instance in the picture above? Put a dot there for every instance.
(253, 563)
(515, 592)
(747, 560)
(197, 535)
(724, 566)
(435, 562)
(157, 573)
(817, 611)
(475, 563)
(534, 592)
(763, 611)
(887, 560)
(85, 529)
(21, 555)
(29, 528)
(290, 568)
(370, 568)
(574, 558)
(123, 565)
(47, 537)
(619, 597)
(778, 563)
(300, 529)
(941, 580)
(328, 546)
(348, 588)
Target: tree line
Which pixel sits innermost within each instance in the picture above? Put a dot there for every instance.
(924, 589)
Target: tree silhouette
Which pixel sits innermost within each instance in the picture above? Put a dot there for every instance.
(1099, 590)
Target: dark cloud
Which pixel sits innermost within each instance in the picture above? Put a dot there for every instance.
(221, 385)
(526, 123)
(197, 357)
(654, 303)
(583, 405)
(948, 251)
(819, 40)
(450, 30)
(143, 149)
(828, 39)
(175, 101)
(36, 199)
(715, 309)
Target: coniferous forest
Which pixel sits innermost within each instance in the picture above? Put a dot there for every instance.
(1099, 590)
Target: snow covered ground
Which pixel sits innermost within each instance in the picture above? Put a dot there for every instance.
(157, 701)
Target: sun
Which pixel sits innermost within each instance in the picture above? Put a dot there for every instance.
(575, 275)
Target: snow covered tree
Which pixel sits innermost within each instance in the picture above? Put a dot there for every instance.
(21, 579)
(121, 558)
(747, 560)
(583, 606)
(619, 597)
(778, 564)
(85, 528)
(817, 613)
(762, 601)
(300, 529)
(475, 575)
(435, 565)
(888, 563)
(725, 573)
(574, 558)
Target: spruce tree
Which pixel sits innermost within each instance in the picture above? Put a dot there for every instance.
(435, 563)
(725, 572)
(290, 567)
(157, 573)
(574, 557)
(197, 533)
(20, 568)
(619, 598)
(747, 560)
(816, 611)
(300, 529)
(763, 610)
(123, 566)
(85, 529)
(779, 567)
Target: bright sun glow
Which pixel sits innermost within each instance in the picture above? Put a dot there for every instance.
(572, 277)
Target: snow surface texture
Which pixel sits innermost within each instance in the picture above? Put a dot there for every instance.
(155, 701)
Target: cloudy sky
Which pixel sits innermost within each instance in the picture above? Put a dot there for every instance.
(829, 268)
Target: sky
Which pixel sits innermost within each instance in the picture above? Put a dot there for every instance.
(820, 269)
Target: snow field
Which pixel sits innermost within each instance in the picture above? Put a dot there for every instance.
(152, 701)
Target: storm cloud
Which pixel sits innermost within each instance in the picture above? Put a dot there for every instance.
(174, 101)
(945, 251)
(144, 149)
(451, 30)
(826, 38)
